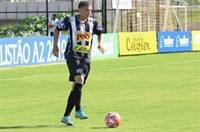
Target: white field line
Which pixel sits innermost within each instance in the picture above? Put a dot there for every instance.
(114, 69)
(144, 66)
(26, 77)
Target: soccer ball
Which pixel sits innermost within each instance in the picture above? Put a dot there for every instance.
(50, 24)
(112, 119)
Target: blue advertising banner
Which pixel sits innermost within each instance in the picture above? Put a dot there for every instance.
(38, 50)
(29, 50)
(174, 41)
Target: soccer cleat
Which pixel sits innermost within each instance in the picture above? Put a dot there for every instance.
(67, 120)
(80, 114)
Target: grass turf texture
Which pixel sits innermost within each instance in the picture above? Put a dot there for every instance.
(152, 93)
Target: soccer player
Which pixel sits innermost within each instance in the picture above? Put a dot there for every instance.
(81, 28)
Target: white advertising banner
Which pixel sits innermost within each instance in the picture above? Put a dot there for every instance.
(123, 4)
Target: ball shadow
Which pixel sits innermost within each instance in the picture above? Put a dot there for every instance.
(99, 127)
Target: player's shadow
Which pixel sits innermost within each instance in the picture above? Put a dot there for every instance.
(41, 126)
(37, 126)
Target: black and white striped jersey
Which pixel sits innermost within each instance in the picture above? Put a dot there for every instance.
(80, 35)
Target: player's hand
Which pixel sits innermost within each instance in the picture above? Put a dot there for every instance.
(101, 48)
(55, 51)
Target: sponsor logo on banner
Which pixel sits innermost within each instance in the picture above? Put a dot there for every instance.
(123, 4)
(195, 40)
(184, 41)
(173, 41)
(26, 51)
(166, 42)
(137, 43)
(110, 43)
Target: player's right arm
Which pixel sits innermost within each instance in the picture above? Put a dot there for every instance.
(63, 25)
(55, 50)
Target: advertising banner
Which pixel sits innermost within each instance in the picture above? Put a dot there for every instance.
(110, 43)
(29, 50)
(123, 4)
(174, 41)
(38, 50)
(137, 43)
(195, 40)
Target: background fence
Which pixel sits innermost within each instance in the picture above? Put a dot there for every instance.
(145, 15)
(159, 15)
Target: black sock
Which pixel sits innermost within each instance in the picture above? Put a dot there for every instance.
(77, 95)
(70, 104)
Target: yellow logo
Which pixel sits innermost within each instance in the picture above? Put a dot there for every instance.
(82, 48)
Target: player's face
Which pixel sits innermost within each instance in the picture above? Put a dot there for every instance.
(85, 12)
(54, 17)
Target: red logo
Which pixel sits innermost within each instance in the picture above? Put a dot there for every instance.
(82, 36)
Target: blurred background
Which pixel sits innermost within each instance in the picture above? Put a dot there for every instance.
(30, 17)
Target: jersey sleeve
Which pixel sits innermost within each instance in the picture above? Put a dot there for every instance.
(64, 24)
(97, 28)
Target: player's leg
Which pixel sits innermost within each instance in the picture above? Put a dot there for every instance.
(70, 103)
(80, 81)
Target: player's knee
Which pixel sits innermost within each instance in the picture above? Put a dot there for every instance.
(79, 79)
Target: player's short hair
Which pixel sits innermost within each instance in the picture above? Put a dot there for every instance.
(54, 14)
(83, 3)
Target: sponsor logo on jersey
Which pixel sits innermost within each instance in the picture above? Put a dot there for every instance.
(79, 70)
(61, 25)
(82, 48)
(99, 27)
(83, 36)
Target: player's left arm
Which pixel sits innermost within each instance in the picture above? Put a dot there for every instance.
(98, 30)
(100, 43)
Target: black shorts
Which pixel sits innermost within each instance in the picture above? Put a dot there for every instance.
(77, 67)
(51, 33)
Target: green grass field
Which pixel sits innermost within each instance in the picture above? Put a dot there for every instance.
(152, 93)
